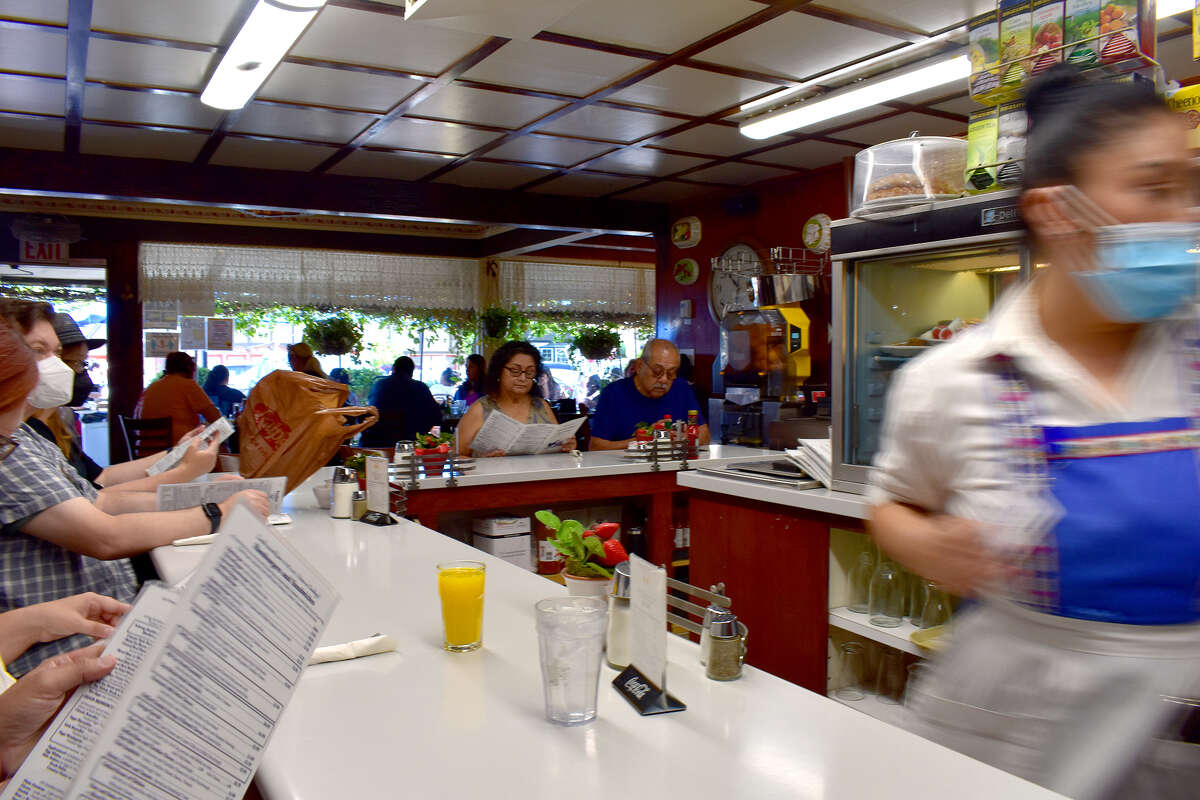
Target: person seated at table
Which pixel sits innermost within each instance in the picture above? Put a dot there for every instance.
(177, 396)
(217, 387)
(512, 389)
(653, 392)
(340, 375)
(472, 388)
(301, 359)
(405, 407)
(58, 535)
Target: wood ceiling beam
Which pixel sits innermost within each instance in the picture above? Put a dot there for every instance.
(862, 23)
(79, 24)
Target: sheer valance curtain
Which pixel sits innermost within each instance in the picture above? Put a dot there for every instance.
(612, 294)
(256, 277)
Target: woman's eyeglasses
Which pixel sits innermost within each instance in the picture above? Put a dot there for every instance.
(517, 372)
(7, 445)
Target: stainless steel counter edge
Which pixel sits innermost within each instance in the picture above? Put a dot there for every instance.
(825, 501)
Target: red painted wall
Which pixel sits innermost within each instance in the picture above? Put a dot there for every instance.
(783, 207)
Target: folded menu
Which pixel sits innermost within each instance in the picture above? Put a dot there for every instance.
(220, 430)
(502, 432)
(814, 456)
(174, 496)
(204, 672)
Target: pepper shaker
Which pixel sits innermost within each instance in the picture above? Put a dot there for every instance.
(728, 649)
(706, 631)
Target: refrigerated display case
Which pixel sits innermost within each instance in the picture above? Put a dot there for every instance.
(938, 273)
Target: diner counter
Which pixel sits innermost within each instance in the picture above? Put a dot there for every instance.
(842, 504)
(425, 723)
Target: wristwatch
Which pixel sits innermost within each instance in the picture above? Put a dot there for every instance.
(213, 512)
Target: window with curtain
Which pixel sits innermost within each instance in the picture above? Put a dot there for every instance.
(257, 277)
(613, 294)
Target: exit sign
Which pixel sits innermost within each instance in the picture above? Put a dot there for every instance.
(45, 252)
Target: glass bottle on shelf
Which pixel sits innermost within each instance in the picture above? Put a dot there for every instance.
(860, 583)
(886, 603)
(693, 432)
(937, 607)
(917, 592)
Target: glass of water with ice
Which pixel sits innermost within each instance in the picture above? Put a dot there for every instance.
(571, 634)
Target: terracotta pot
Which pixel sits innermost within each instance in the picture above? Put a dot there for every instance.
(594, 586)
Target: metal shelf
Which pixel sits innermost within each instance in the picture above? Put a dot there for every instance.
(897, 638)
(780, 260)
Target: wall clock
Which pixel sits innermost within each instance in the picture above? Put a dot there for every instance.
(729, 291)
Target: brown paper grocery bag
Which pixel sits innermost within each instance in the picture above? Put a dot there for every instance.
(293, 423)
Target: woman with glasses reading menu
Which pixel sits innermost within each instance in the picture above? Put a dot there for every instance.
(510, 388)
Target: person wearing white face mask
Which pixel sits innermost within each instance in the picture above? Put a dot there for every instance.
(59, 536)
(1060, 482)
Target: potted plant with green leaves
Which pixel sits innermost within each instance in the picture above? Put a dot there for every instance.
(495, 322)
(596, 342)
(334, 335)
(358, 462)
(433, 449)
(589, 554)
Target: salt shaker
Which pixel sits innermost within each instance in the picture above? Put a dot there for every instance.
(619, 643)
(706, 631)
(728, 649)
(345, 483)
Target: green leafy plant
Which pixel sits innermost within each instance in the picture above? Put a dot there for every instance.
(334, 336)
(358, 461)
(496, 322)
(596, 342)
(432, 441)
(587, 552)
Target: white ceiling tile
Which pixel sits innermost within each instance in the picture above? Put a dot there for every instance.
(809, 155)
(35, 10)
(238, 152)
(963, 105)
(601, 122)
(549, 150)
(43, 51)
(581, 184)
(667, 26)
(302, 83)
(301, 123)
(487, 108)
(715, 140)
(552, 67)
(436, 137)
(383, 40)
(945, 92)
(31, 133)
(34, 95)
(641, 161)
(397, 166)
(110, 140)
(668, 192)
(900, 126)
(738, 174)
(490, 176)
(692, 91)
(147, 65)
(209, 22)
(797, 45)
(121, 105)
(922, 15)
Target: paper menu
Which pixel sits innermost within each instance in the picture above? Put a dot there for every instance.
(648, 602)
(502, 432)
(174, 496)
(194, 718)
(220, 430)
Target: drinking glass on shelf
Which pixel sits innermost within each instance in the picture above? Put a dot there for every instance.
(886, 605)
(918, 671)
(860, 583)
(917, 594)
(937, 607)
(850, 682)
(889, 680)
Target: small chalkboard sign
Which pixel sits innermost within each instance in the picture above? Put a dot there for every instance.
(643, 695)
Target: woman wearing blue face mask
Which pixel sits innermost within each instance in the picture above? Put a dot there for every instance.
(1060, 485)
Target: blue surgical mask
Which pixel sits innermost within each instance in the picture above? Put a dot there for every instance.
(1143, 271)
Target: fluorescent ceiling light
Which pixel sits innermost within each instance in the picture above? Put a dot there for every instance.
(1169, 8)
(842, 102)
(270, 31)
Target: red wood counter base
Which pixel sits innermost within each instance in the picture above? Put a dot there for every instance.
(775, 565)
(427, 505)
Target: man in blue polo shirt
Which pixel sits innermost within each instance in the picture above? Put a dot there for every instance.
(653, 392)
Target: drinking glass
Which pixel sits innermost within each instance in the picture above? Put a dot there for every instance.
(889, 680)
(571, 633)
(460, 585)
(937, 607)
(917, 594)
(851, 681)
(886, 605)
(918, 671)
(860, 583)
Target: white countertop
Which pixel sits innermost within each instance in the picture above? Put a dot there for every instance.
(842, 504)
(425, 723)
(591, 464)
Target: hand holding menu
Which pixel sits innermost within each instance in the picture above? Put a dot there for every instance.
(220, 430)
(203, 675)
(174, 496)
(502, 432)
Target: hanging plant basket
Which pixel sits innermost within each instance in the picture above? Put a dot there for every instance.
(495, 322)
(597, 343)
(333, 336)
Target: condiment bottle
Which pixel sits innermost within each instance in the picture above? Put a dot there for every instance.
(342, 488)
(358, 505)
(727, 651)
(706, 631)
(693, 433)
(619, 643)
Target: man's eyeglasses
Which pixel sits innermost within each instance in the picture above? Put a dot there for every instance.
(517, 372)
(7, 445)
(660, 371)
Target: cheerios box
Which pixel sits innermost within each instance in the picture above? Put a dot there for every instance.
(1186, 101)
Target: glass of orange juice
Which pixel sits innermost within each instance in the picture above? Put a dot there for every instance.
(460, 584)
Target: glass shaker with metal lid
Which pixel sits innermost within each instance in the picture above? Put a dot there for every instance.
(619, 645)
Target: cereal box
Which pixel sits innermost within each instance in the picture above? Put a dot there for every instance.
(1186, 101)
(1011, 126)
(1082, 26)
(1118, 19)
(1047, 34)
(984, 50)
(1016, 40)
(981, 150)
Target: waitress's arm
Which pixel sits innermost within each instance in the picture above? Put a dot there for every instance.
(946, 550)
